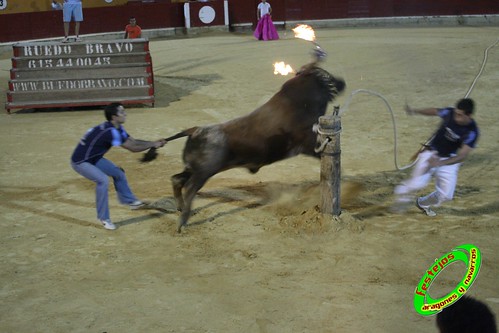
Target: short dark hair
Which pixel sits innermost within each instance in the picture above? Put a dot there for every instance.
(467, 315)
(467, 105)
(112, 110)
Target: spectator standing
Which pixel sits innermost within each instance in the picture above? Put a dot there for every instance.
(72, 10)
(263, 9)
(265, 29)
(132, 30)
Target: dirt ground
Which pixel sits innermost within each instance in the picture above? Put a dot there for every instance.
(257, 256)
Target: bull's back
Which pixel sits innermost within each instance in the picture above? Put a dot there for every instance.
(275, 131)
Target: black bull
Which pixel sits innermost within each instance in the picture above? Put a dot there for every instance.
(279, 129)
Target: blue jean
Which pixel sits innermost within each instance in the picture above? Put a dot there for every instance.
(72, 10)
(100, 173)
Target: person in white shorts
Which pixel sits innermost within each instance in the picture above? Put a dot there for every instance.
(72, 10)
(441, 157)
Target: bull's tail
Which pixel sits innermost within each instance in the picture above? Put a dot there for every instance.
(151, 154)
(187, 132)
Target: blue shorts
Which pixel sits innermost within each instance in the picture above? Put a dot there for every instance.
(72, 10)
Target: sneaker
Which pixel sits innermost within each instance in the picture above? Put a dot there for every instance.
(107, 224)
(137, 204)
(65, 40)
(425, 209)
(77, 39)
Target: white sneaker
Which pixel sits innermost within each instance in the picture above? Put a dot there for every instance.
(107, 224)
(77, 39)
(425, 209)
(65, 40)
(137, 204)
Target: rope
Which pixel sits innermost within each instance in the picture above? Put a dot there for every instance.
(328, 133)
(322, 146)
(485, 56)
(355, 92)
(347, 104)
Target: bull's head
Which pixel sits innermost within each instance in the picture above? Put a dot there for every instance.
(332, 85)
(335, 85)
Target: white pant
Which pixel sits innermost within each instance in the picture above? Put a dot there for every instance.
(445, 181)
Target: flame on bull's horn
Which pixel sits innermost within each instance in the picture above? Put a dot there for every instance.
(282, 68)
(305, 32)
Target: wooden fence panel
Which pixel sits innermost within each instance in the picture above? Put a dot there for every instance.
(53, 74)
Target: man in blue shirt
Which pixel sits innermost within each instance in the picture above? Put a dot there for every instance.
(441, 158)
(88, 160)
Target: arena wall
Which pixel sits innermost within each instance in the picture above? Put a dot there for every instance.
(163, 14)
(30, 6)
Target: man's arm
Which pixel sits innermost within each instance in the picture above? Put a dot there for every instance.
(136, 146)
(462, 154)
(426, 112)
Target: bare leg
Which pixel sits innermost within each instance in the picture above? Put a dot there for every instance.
(66, 29)
(77, 29)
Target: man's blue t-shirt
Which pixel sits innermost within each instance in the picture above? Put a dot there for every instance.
(97, 141)
(451, 136)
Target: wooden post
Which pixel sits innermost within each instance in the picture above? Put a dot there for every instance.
(329, 130)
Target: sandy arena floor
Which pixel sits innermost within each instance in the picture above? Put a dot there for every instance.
(257, 256)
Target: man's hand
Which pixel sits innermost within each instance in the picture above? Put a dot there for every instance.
(434, 161)
(160, 143)
(135, 145)
(409, 111)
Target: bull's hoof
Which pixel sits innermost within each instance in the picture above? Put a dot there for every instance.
(253, 170)
(179, 228)
(180, 205)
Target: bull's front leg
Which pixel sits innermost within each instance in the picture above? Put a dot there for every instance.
(178, 182)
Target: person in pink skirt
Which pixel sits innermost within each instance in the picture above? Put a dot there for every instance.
(265, 29)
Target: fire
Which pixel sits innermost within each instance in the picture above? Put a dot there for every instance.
(302, 31)
(282, 68)
(305, 32)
